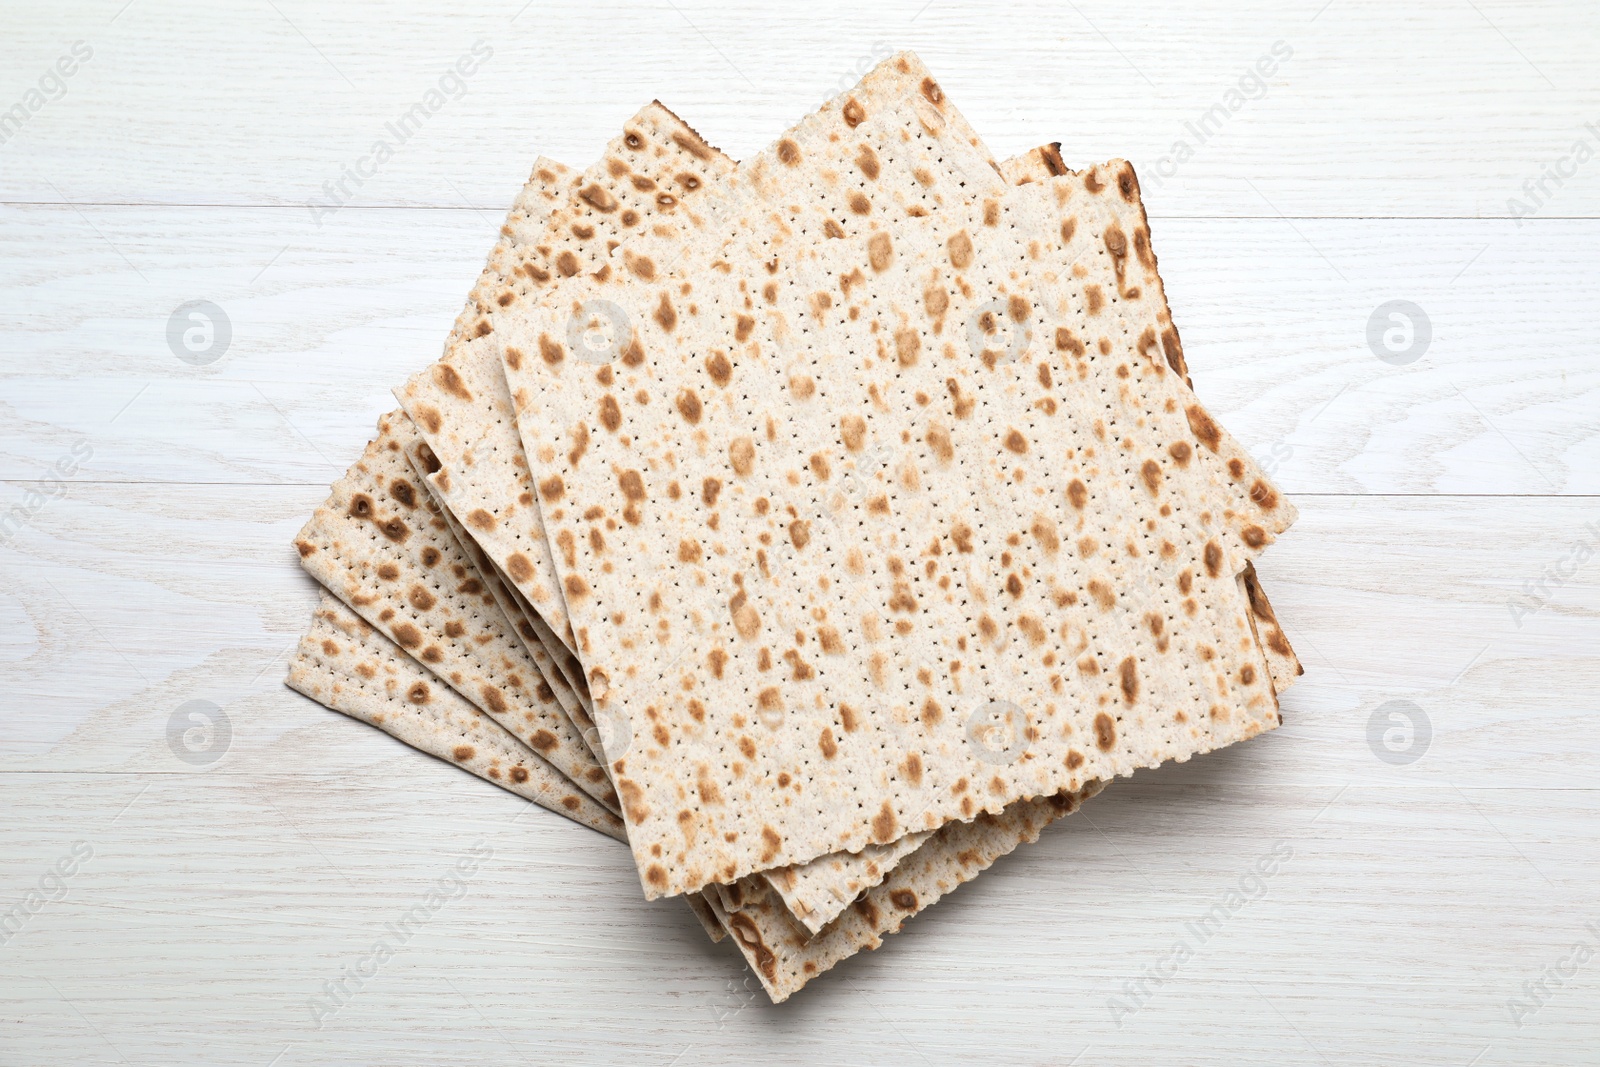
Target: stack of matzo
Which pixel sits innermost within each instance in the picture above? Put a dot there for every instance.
(822, 526)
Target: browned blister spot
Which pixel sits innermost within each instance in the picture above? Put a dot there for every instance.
(1213, 558)
(866, 158)
(1205, 429)
(1044, 533)
(745, 619)
(394, 530)
(631, 483)
(1015, 442)
(449, 379)
(598, 198)
(749, 936)
(742, 455)
(884, 826)
(1105, 732)
(688, 404)
(907, 344)
(1067, 341)
(1265, 497)
(1150, 474)
(962, 405)
(666, 317)
(853, 432)
(960, 249)
(880, 251)
(1077, 493)
(718, 367)
(633, 351)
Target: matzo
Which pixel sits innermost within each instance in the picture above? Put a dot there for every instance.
(377, 546)
(459, 381)
(815, 892)
(419, 455)
(656, 166)
(344, 664)
(785, 956)
(347, 666)
(792, 882)
(669, 559)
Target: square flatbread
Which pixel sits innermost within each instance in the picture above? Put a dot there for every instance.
(785, 955)
(871, 867)
(563, 223)
(346, 665)
(377, 544)
(702, 485)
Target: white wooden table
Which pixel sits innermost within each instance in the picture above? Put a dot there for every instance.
(1432, 857)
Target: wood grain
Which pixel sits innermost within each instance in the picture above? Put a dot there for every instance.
(1447, 555)
(1274, 318)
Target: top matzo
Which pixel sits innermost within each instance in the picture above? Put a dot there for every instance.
(813, 538)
